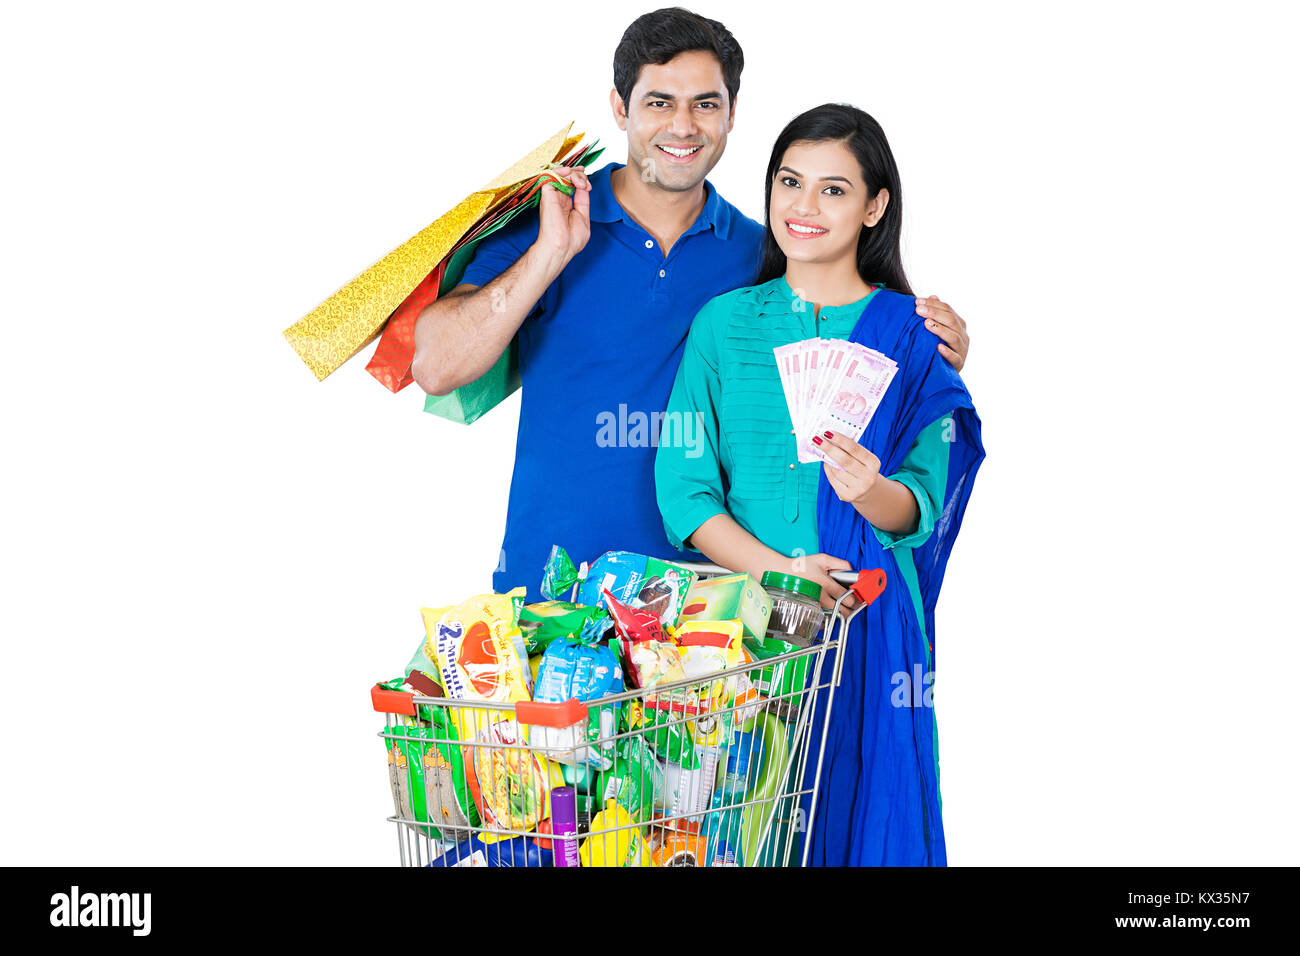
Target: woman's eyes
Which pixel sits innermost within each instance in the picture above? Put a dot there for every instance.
(794, 184)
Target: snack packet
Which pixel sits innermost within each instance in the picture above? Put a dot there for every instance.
(648, 654)
(479, 648)
(543, 623)
(730, 597)
(614, 840)
(709, 648)
(572, 670)
(510, 784)
(633, 780)
(634, 579)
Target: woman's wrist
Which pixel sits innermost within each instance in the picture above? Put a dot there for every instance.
(888, 505)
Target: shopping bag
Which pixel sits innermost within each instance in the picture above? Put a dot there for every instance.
(353, 316)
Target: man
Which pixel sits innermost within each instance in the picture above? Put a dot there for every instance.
(600, 290)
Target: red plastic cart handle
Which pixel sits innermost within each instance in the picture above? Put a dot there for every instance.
(551, 715)
(387, 701)
(869, 586)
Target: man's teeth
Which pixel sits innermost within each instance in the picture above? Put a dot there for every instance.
(804, 229)
(674, 151)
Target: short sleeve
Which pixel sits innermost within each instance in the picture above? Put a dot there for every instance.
(925, 473)
(499, 251)
(688, 464)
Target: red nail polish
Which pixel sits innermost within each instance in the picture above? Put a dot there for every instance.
(816, 440)
(829, 435)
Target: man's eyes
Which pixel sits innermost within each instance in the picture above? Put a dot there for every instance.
(706, 103)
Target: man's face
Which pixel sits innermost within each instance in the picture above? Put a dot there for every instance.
(677, 120)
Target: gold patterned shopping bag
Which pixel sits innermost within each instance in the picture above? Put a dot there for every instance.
(353, 316)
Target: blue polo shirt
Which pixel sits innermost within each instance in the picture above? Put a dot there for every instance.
(598, 355)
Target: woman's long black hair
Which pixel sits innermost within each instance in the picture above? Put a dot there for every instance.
(880, 259)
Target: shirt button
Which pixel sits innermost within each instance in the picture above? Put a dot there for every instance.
(662, 273)
(649, 244)
(792, 466)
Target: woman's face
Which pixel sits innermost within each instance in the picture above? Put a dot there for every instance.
(820, 202)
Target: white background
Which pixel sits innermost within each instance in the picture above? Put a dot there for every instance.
(209, 557)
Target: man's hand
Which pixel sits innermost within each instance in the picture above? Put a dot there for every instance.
(949, 326)
(565, 222)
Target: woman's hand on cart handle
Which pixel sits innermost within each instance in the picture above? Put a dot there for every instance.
(820, 568)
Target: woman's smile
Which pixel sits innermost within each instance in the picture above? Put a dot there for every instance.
(802, 229)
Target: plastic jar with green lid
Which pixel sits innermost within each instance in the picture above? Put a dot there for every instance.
(797, 614)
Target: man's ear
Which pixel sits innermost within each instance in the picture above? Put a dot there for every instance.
(619, 108)
(876, 208)
(731, 117)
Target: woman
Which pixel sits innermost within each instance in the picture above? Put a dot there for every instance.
(894, 499)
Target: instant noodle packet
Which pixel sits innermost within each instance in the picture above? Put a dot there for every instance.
(479, 648)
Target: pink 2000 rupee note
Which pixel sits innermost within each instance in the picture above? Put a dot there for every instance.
(855, 401)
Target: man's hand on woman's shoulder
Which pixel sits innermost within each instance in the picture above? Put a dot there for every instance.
(943, 321)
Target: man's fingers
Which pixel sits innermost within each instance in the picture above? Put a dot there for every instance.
(953, 358)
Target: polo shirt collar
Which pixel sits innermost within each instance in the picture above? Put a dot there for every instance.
(605, 208)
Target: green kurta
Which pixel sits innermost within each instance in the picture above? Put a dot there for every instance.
(739, 455)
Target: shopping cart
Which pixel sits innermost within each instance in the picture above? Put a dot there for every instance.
(707, 771)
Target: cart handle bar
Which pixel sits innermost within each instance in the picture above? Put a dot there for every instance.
(865, 585)
(537, 713)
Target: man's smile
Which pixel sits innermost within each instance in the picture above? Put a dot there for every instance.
(683, 153)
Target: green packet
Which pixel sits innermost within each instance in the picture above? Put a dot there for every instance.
(542, 623)
(633, 780)
(784, 683)
(427, 770)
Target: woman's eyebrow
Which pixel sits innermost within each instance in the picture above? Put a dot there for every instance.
(824, 179)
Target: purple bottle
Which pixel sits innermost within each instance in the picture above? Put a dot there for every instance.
(564, 825)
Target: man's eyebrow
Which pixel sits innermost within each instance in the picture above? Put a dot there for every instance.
(824, 179)
(655, 95)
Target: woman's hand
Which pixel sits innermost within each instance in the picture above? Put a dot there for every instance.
(859, 469)
(818, 568)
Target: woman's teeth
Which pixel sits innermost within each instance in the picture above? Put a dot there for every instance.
(806, 230)
(674, 151)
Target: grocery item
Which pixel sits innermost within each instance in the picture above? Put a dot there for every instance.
(572, 670)
(797, 615)
(633, 779)
(542, 623)
(564, 825)
(729, 597)
(637, 581)
(783, 683)
(614, 840)
(679, 848)
(708, 648)
(477, 851)
(756, 818)
(509, 783)
(479, 648)
(648, 653)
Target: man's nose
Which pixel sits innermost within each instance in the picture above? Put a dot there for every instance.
(683, 121)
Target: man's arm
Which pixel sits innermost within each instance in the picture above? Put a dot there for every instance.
(460, 336)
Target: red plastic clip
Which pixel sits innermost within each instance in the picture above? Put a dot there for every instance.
(869, 586)
(387, 701)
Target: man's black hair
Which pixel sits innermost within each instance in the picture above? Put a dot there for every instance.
(659, 36)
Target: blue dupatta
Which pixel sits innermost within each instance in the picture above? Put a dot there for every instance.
(879, 797)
